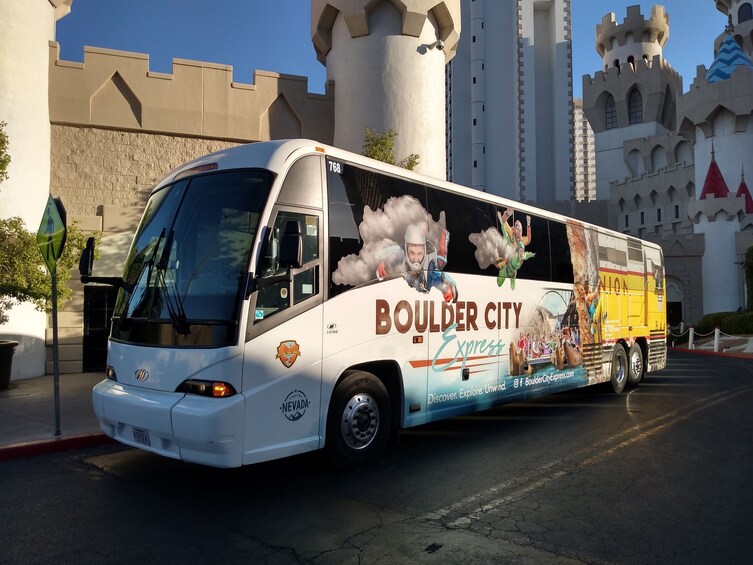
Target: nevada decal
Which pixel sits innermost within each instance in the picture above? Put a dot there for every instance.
(287, 352)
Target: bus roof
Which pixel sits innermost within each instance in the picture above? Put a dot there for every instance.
(273, 155)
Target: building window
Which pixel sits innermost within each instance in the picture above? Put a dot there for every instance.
(677, 211)
(627, 221)
(643, 219)
(745, 13)
(474, 121)
(475, 164)
(635, 107)
(658, 214)
(474, 80)
(610, 113)
(474, 39)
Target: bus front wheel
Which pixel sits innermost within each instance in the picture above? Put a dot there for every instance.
(359, 420)
(635, 363)
(619, 369)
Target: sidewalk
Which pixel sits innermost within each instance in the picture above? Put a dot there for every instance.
(27, 416)
(728, 345)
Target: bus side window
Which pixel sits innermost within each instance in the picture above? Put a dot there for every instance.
(276, 297)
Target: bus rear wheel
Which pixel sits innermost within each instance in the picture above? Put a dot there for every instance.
(619, 368)
(635, 365)
(359, 420)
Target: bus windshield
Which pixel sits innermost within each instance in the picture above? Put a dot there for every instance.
(186, 271)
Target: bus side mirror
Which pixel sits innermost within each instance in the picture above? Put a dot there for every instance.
(86, 262)
(291, 246)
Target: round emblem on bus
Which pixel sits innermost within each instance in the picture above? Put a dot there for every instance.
(142, 374)
(294, 406)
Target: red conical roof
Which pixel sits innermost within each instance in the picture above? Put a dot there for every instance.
(714, 184)
(743, 191)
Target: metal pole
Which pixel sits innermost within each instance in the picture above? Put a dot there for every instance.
(716, 339)
(56, 378)
(691, 337)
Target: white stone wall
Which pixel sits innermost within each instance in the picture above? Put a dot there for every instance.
(25, 30)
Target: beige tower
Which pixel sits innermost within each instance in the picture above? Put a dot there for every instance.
(635, 94)
(387, 59)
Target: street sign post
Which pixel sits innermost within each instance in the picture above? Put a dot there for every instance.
(51, 238)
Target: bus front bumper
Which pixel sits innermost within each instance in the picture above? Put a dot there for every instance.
(194, 429)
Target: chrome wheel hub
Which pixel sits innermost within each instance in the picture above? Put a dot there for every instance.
(360, 421)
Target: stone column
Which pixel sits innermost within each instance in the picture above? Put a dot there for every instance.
(387, 60)
(26, 27)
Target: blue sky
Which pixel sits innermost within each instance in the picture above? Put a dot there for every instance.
(274, 35)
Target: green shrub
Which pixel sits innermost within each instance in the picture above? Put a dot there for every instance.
(23, 273)
(710, 321)
(738, 324)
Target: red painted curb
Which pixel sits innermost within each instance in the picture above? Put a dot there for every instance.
(55, 445)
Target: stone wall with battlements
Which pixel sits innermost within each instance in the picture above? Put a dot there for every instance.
(117, 128)
(116, 89)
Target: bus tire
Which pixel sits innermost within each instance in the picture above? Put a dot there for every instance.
(635, 365)
(619, 372)
(359, 420)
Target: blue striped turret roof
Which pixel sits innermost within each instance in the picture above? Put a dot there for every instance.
(728, 58)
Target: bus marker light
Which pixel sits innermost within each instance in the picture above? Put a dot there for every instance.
(195, 170)
(110, 373)
(220, 390)
(418, 339)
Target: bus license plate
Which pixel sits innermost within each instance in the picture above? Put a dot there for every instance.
(141, 436)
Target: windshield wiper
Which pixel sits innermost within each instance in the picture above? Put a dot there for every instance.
(148, 264)
(173, 301)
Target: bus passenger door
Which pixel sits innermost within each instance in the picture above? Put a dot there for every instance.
(282, 363)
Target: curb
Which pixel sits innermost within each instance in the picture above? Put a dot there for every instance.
(55, 445)
(710, 352)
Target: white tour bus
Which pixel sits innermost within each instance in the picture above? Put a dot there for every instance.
(286, 296)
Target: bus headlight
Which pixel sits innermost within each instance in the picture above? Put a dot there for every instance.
(215, 389)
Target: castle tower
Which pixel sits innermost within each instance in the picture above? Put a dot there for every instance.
(715, 114)
(25, 31)
(387, 59)
(635, 94)
(718, 214)
(510, 100)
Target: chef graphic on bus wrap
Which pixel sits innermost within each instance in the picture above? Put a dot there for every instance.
(420, 262)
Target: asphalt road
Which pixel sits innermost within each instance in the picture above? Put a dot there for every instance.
(658, 474)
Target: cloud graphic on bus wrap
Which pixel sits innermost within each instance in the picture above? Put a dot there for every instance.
(381, 230)
(490, 246)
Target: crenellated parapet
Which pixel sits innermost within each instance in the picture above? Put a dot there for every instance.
(727, 209)
(414, 14)
(634, 36)
(657, 81)
(702, 103)
(116, 89)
